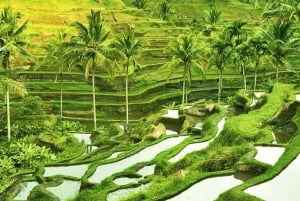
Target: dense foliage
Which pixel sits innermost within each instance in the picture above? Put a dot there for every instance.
(166, 51)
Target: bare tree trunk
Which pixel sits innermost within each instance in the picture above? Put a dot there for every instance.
(277, 71)
(244, 77)
(255, 77)
(94, 98)
(8, 115)
(183, 91)
(220, 86)
(127, 102)
(186, 92)
(61, 96)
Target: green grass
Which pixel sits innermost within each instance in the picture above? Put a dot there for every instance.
(250, 127)
(291, 152)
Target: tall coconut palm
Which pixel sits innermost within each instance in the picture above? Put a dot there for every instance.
(221, 50)
(129, 47)
(213, 17)
(282, 11)
(165, 10)
(12, 40)
(236, 32)
(242, 58)
(55, 57)
(186, 54)
(282, 42)
(259, 49)
(89, 49)
(11, 86)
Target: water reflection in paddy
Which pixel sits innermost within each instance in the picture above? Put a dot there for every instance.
(67, 189)
(197, 146)
(189, 149)
(125, 180)
(115, 155)
(208, 189)
(144, 155)
(145, 171)
(284, 186)
(25, 190)
(73, 170)
(83, 137)
(268, 155)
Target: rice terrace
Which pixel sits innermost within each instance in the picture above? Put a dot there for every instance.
(143, 100)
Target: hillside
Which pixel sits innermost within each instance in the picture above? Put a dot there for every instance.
(210, 85)
(46, 18)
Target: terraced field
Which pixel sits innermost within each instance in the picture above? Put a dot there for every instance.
(270, 121)
(147, 89)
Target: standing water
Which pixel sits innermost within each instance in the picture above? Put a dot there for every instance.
(23, 194)
(284, 186)
(68, 189)
(268, 155)
(83, 137)
(208, 189)
(144, 155)
(197, 146)
(73, 170)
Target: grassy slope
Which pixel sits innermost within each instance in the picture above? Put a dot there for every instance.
(47, 17)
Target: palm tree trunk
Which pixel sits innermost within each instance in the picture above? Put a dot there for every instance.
(277, 71)
(220, 85)
(61, 95)
(255, 77)
(127, 102)
(8, 115)
(94, 97)
(244, 78)
(183, 90)
(186, 92)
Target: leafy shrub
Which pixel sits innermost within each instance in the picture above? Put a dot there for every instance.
(140, 4)
(28, 155)
(161, 167)
(222, 158)
(28, 106)
(40, 193)
(89, 195)
(65, 126)
(241, 100)
(102, 140)
(253, 167)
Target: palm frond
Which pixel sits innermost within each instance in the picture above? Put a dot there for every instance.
(14, 86)
(21, 29)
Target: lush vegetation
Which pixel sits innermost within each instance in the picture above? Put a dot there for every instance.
(111, 68)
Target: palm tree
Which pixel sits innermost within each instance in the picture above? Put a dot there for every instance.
(237, 32)
(186, 54)
(11, 86)
(129, 47)
(89, 49)
(259, 48)
(55, 57)
(281, 42)
(213, 17)
(221, 50)
(242, 57)
(12, 40)
(165, 10)
(140, 4)
(282, 11)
